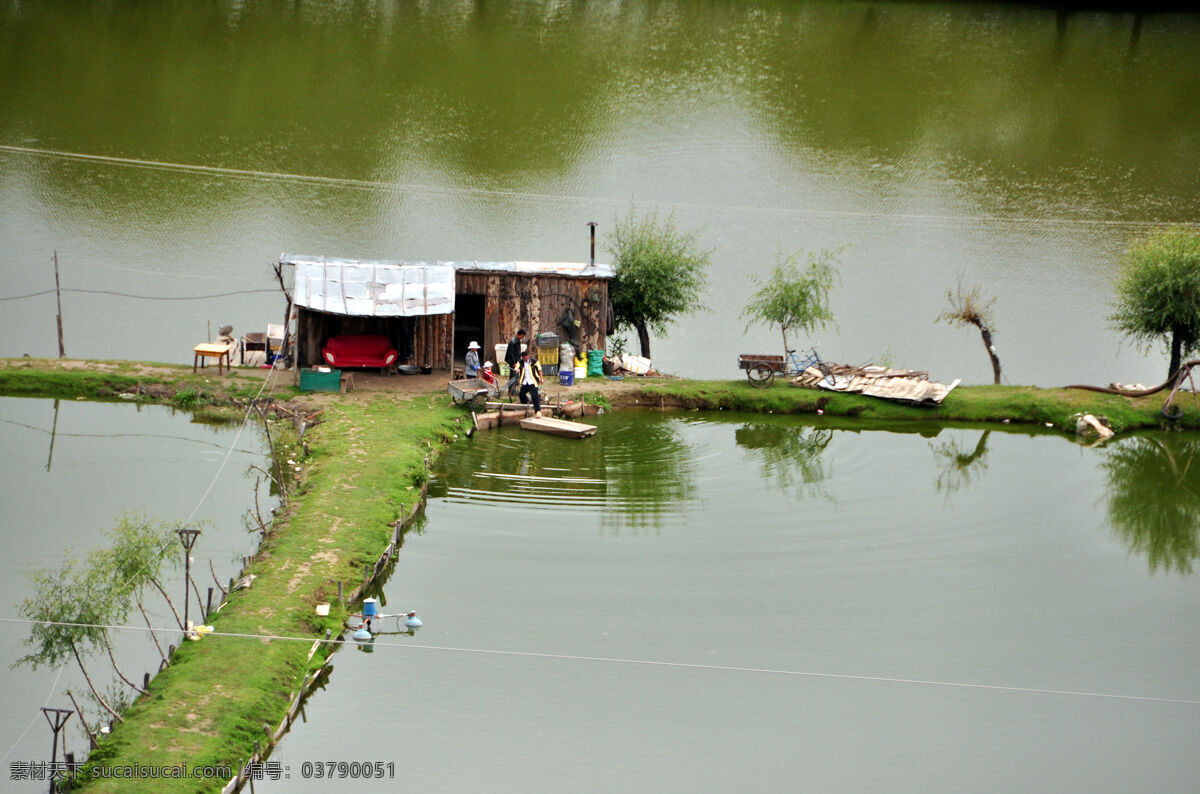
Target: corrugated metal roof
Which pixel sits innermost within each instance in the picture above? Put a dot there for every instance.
(368, 288)
(904, 385)
(569, 269)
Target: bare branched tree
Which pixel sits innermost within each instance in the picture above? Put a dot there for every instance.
(968, 307)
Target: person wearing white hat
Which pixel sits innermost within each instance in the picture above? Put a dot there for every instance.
(473, 359)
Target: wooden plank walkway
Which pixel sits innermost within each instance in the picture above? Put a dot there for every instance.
(558, 427)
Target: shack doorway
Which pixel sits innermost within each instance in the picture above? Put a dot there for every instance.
(468, 324)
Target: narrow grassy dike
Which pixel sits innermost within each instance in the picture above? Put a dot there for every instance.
(367, 467)
(1014, 404)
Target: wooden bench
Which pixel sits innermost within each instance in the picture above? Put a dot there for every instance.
(218, 350)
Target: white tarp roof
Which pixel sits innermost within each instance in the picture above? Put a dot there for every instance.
(367, 288)
(381, 288)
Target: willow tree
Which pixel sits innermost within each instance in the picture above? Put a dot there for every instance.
(75, 607)
(794, 297)
(969, 307)
(73, 604)
(1158, 294)
(659, 273)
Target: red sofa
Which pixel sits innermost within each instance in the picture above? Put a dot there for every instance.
(359, 350)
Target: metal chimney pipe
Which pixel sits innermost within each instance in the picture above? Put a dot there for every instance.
(592, 226)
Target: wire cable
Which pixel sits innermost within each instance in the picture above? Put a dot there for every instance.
(28, 727)
(141, 297)
(233, 445)
(30, 295)
(677, 665)
(562, 198)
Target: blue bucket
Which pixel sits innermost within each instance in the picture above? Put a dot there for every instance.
(566, 377)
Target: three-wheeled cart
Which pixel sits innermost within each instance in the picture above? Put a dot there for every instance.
(761, 369)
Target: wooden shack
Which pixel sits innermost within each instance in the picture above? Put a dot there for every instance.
(493, 299)
(432, 311)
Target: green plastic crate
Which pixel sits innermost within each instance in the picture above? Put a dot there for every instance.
(312, 380)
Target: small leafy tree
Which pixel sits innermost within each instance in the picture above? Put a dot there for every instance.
(75, 602)
(660, 272)
(1158, 294)
(968, 307)
(794, 297)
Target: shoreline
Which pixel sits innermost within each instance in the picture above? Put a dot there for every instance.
(206, 392)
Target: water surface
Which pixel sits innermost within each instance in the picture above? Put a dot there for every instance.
(750, 602)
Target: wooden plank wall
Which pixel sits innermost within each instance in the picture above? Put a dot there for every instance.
(432, 346)
(536, 303)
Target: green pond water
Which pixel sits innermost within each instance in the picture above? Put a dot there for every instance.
(693, 602)
(1012, 145)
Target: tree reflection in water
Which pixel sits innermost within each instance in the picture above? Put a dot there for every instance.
(1154, 498)
(790, 454)
(649, 474)
(956, 466)
(634, 473)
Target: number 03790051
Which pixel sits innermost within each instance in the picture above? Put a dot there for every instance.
(348, 769)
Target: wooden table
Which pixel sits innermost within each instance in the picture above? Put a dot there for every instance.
(218, 350)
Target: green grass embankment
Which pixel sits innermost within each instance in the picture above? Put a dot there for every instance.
(1014, 404)
(368, 463)
(168, 384)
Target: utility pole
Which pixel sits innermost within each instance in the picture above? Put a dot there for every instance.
(58, 293)
(188, 538)
(57, 719)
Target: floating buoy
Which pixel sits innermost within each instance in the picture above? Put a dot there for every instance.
(412, 621)
(362, 635)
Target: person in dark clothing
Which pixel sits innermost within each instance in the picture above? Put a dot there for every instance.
(512, 354)
(512, 357)
(529, 376)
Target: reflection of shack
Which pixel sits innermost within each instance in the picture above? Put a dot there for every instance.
(431, 311)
